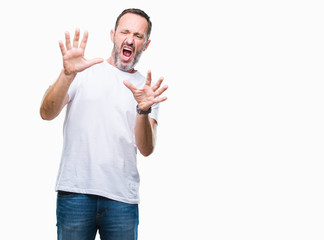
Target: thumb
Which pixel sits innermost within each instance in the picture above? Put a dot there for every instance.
(94, 61)
(129, 86)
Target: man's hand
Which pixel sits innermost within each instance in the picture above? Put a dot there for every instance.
(73, 56)
(147, 96)
(145, 130)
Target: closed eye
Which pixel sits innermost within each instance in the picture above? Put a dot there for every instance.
(124, 32)
(139, 36)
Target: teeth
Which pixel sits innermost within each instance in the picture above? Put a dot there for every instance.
(128, 48)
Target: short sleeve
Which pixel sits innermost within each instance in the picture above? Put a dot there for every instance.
(74, 86)
(155, 112)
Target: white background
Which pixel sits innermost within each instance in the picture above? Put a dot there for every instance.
(240, 139)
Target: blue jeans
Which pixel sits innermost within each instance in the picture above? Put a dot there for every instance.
(79, 216)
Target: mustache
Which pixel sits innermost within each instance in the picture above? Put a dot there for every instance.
(128, 45)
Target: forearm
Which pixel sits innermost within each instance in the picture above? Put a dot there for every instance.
(145, 131)
(144, 134)
(56, 97)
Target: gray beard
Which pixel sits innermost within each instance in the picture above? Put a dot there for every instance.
(130, 65)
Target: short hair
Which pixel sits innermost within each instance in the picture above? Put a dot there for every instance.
(137, 12)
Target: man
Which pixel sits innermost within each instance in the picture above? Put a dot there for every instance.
(111, 112)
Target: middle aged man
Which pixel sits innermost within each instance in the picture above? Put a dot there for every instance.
(111, 112)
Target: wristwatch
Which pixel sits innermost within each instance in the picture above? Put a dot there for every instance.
(139, 111)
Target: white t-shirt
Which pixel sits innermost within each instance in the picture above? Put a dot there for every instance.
(99, 151)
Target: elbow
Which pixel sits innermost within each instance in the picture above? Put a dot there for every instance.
(44, 115)
(147, 152)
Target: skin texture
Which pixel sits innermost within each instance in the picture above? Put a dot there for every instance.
(130, 36)
(131, 32)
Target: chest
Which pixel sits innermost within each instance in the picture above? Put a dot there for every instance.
(104, 99)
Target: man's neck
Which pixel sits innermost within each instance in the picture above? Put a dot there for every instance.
(111, 61)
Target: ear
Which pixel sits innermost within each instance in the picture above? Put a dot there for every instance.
(112, 34)
(147, 44)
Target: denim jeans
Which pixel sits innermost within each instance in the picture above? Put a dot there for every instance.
(79, 216)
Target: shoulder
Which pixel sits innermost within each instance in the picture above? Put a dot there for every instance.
(96, 68)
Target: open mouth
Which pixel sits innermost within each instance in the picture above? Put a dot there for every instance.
(127, 51)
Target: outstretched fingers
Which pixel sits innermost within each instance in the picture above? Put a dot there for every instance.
(84, 40)
(148, 78)
(63, 51)
(76, 38)
(75, 41)
(158, 84)
(159, 100)
(160, 91)
(93, 62)
(130, 86)
(67, 41)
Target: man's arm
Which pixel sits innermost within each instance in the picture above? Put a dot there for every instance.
(56, 96)
(145, 127)
(145, 131)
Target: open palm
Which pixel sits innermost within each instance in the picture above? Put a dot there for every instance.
(148, 95)
(73, 55)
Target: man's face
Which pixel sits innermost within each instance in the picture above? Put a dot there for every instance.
(130, 40)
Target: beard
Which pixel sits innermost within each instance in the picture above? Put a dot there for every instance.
(129, 66)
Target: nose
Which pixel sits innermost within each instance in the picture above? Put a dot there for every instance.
(130, 39)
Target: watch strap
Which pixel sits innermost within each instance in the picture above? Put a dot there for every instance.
(139, 111)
